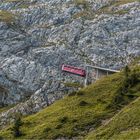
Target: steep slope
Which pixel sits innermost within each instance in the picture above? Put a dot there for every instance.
(125, 125)
(83, 111)
(38, 36)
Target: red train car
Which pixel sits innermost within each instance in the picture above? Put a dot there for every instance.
(74, 70)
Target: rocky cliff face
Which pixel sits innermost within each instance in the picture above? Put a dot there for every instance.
(38, 36)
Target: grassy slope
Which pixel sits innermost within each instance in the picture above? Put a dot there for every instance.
(124, 125)
(75, 115)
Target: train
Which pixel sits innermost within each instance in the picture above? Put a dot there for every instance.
(74, 70)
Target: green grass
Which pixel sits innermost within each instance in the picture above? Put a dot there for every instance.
(75, 85)
(125, 125)
(78, 113)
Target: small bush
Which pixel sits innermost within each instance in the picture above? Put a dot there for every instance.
(101, 101)
(83, 103)
(1, 138)
(74, 120)
(57, 136)
(58, 126)
(64, 119)
(124, 93)
(72, 94)
(131, 78)
(126, 71)
(79, 93)
(16, 128)
(47, 129)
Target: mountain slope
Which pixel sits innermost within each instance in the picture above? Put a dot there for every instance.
(124, 125)
(38, 36)
(83, 111)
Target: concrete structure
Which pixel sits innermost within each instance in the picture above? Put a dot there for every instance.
(94, 73)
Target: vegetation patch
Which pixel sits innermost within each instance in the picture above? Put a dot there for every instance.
(80, 93)
(83, 103)
(75, 85)
(125, 125)
(89, 14)
(16, 132)
(64, 119)
(59, 126)
(46, 130)
(6, 16)
(1, 138)
(72, 94)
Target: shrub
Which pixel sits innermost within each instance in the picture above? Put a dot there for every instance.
(131, 78)
(16, 128)
(124, 93)
(72, 94)
(83, 103)
(47, 129)
(1, 138)
(58, 136)
(79, 93)
(58, 126)
(64, 119)
(126, 71)
(74, 120)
